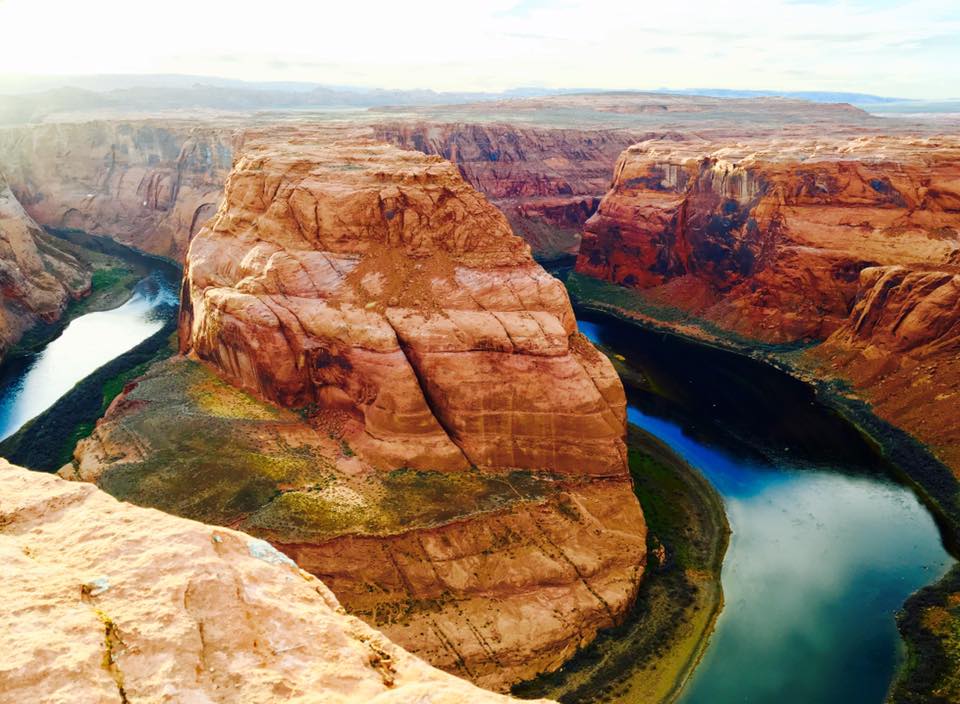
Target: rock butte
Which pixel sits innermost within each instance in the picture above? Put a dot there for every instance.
(38, 276)
(856, 241)
(377, 293)
(108, 602)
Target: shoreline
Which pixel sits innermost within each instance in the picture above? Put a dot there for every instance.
(932, 656)
(651, 655)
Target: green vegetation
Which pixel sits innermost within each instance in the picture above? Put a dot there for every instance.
(648, 657)
(219, 455)
(930, 624)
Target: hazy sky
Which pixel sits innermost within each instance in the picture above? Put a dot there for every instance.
(907, 48)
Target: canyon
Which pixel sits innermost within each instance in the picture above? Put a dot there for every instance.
(229, 618)
(376, 377)
(853, 242)
(382, 382)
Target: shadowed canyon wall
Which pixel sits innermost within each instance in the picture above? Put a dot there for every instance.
(38, 276)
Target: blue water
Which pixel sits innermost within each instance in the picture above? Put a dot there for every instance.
(825, 546)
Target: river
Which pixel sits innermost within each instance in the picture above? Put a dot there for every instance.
(825, 546)
(30, 385)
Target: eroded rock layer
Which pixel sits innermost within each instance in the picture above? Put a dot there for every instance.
(108, 602)
(856, 241)
(546, 181)
(767, 238)
(38, 277)
(148, 184)
(456, 466)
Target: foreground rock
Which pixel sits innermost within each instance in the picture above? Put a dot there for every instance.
(455, 469)
(38, 276)
(107, 602)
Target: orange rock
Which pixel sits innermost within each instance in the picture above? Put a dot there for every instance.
(374, 280)
(108, 602)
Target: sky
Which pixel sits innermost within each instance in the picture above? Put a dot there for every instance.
(904, 48)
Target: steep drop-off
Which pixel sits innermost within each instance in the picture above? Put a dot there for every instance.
(456, 469)
(856, 241)
(546, 181)
(108, 602)
(38, 277)
(148, 184)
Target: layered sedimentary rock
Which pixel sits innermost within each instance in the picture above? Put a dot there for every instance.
(855, 241)
(149, 184)
(768, 238)
(38, 277)
(901, 345)
(456, 467)
(108, 602)
(546, 181)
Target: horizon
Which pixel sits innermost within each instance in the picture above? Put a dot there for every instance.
(784, 46)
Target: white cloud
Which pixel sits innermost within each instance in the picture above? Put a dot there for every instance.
(901, 47)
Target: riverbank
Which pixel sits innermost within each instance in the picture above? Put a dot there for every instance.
(46, 442)
(652, 653)
(930, 620)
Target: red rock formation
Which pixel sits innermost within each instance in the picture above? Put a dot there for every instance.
(376, 281)
(768, 238)
(148, 184)
(546, 181)
(901, 346)
(377, 293)
(37, 275)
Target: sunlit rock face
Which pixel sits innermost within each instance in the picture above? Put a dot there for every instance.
(150, 184)
(109, 602)
(38, 276)
(856, 241)
(410, 411)
(768, 237)
(375, 281)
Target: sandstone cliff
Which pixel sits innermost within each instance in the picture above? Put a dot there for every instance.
(856, 241)
(768, 238)
(546, 181)
(901, 346)
(108, 602)
(148, 184)
(455, 469)
(37, 275)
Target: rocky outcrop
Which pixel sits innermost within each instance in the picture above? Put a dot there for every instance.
(456, 467)
(108, 602)
(148, 184)
(546, 181)
(768, 238)
(38, 276)
(901, 346)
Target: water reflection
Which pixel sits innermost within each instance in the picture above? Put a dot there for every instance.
(825, 546)
(86, 344)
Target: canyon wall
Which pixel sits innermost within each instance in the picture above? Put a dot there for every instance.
(108, 602)
(148, 184)
(38, 276)
(856, 241)
(546, 181)
(452, 462)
